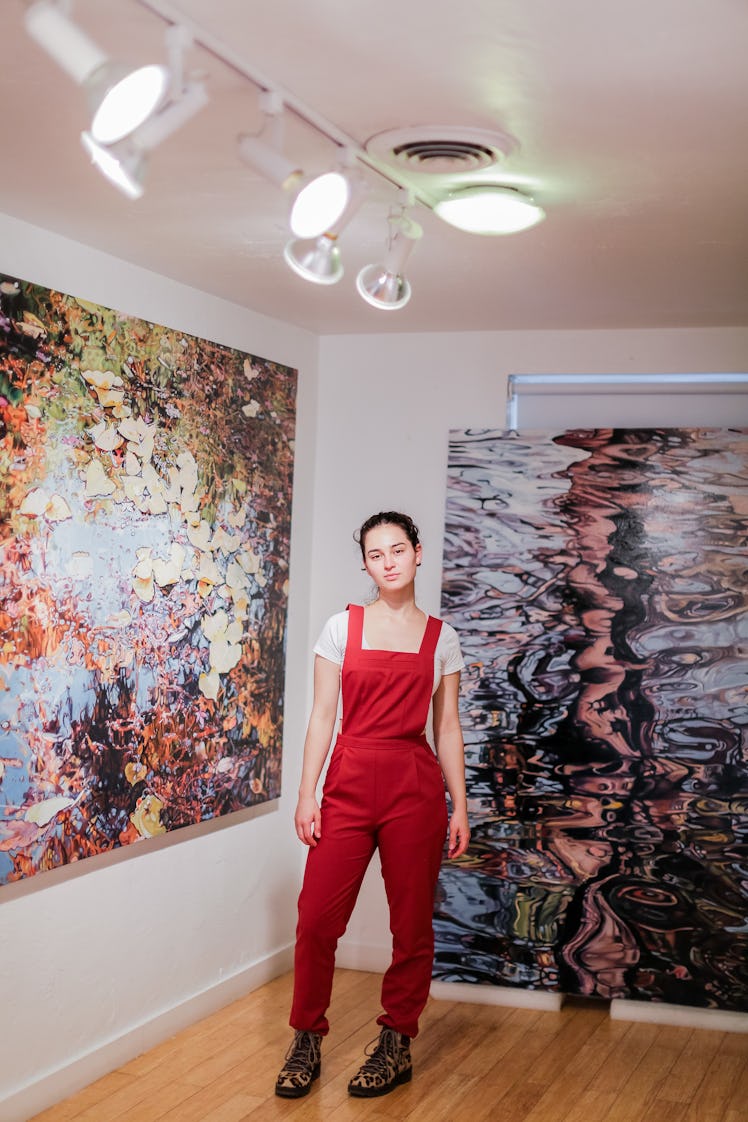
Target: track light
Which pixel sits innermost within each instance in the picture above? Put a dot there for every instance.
(320, 204)
(272, 164)
(124, 163)
(318, 259)
(489, 208)
(315, 259)
(126, 169)
(263, 151)
(384, 286)
(121, 98)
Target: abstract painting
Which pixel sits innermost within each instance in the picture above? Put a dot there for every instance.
(599, 583)
(145, 514)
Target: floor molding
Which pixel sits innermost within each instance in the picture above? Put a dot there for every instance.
(53, 1086)
(685, 1016)
(497, 995)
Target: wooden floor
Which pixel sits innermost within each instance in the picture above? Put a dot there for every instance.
(471, 1063)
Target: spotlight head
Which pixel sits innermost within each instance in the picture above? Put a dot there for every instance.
(383, 289)
(269, 161)
(385, 286)
(124, 170)
(122, 99)
(315, 259)
(320, 204)
(74, 51)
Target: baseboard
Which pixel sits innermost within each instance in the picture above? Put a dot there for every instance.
(53, 1086)
(685, 1016)
(497, 995)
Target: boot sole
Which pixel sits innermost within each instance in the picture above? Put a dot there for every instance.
(376, 1092)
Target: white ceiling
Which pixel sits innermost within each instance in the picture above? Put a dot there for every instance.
(631, 122)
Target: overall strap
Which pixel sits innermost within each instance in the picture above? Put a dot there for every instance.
(431, 637)
(355, 638)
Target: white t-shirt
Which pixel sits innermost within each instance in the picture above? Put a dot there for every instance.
(447, 656)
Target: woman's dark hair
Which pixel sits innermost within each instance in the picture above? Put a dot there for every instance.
(387, 518)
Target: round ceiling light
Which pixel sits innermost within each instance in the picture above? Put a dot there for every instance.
(489, 209)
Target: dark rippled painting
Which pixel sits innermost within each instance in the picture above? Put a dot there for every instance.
(145, 516)
(598, 580)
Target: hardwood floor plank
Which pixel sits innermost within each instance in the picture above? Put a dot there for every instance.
(641, 1088)
(713, 1095)
(591, 1106)
(89, 1096)
(472, 1063)
(691, 1066)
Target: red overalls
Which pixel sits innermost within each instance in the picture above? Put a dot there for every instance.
(384, 788)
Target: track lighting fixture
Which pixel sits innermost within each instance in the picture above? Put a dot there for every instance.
(320, 204)
(125, 168)
(124, 163)
(121, 98)
(317, 259)
(384, 286)
(263, 151)
(134, 109)
(489, 208)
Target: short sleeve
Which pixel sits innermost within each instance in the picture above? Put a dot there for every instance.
(332, 640)
(449, 650)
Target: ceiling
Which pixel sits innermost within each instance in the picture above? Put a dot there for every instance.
(629, 125)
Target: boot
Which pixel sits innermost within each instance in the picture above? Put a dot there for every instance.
(387, 1066)
(302, 1066)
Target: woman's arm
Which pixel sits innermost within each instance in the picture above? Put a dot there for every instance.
(451, 752)
(308, 819)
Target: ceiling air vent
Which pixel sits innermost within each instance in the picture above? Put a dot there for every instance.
(440, 150)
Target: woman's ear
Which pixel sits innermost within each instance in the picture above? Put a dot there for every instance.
(419, 553)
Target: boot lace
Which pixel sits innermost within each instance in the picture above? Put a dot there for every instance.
(302, 1053)
(384, 1052)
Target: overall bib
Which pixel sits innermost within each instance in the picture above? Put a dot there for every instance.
(384, 789)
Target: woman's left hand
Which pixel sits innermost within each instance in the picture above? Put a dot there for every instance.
(459, 834)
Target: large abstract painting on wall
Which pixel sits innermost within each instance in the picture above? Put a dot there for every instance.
(145, 495)
(599, 583)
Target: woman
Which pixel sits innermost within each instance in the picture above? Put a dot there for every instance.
(384, 789)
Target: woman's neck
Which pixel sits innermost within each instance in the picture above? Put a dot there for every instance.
(396, 603)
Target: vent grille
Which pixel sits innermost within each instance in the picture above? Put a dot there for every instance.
(443, 156)
(441, 150)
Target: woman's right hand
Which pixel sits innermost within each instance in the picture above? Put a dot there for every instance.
(308, 820)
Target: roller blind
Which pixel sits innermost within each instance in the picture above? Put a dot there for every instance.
(568, 401)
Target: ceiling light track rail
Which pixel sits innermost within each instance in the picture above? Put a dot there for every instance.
(134, 108)
(219, 50)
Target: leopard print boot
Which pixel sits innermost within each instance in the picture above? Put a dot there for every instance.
(302, 1066)
(385, 1068)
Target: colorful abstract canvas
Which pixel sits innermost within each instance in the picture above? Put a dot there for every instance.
(599, 584)
(145, 513)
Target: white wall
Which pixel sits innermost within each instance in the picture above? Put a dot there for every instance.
(102, 959)
(386, 404)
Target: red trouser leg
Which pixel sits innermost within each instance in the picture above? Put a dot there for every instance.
(335, 868)
(411, 841)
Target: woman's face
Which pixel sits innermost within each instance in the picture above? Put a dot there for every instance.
(389, 558)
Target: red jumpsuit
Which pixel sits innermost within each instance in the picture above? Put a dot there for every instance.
(384, 788)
